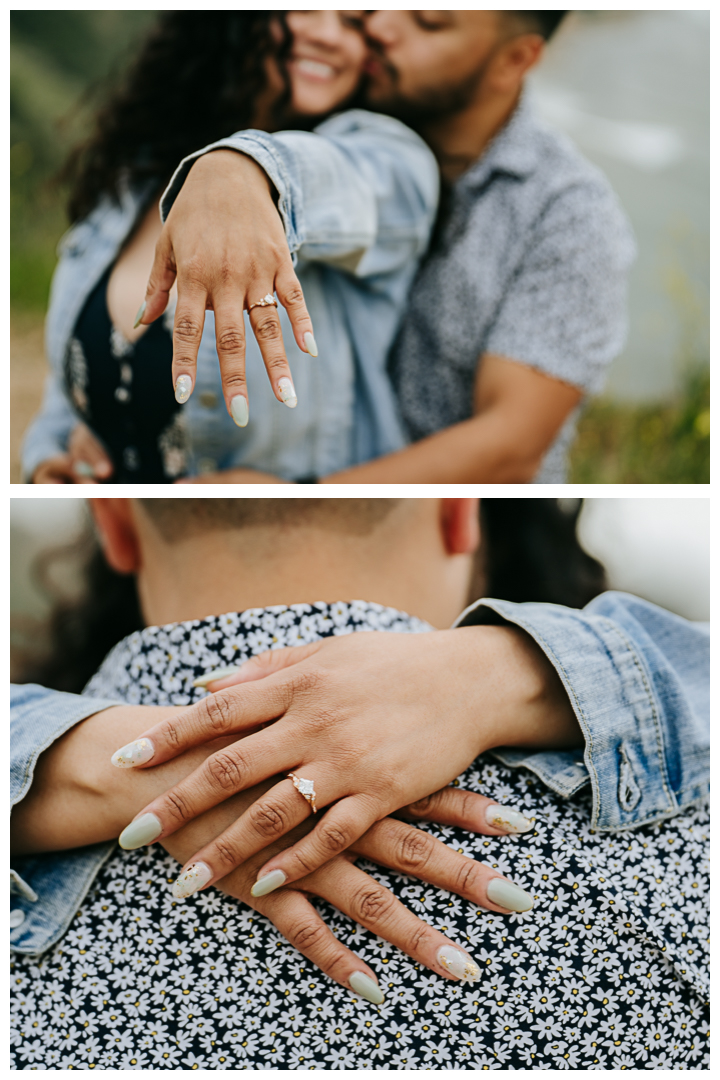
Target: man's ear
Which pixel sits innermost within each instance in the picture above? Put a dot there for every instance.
(460, 523)
(514, 59)
(118, 536)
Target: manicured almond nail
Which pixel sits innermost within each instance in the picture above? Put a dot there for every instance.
(192, 878)
(458, 962)
(138, 317)
(268, 883)
(183, 388)
(509, 896)
(287, 392)
(311, 346)
(510, 821)
(239, 410)
(142, 830)
(364, 987)
(214, 676)
(84, 468)
(135, 753)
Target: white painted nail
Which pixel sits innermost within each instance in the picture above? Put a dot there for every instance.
(84, 468)
(287, 392)
(268, 883)
(143, 830)
(135, 753)
(510, 821)
(365, 988)
(310, 344)
(213, 676)
(138, 317)
(458, 962)
(192, 878)
(239, 410)
(183, 388)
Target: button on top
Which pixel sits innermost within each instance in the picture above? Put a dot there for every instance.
(207, 464)
(17, 918)
(209, 399)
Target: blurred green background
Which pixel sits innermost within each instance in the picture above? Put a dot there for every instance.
(653, 425)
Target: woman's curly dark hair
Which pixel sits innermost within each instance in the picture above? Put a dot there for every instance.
(529, 552)
(196, 79)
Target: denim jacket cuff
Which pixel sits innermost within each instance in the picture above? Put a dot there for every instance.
(612, 697)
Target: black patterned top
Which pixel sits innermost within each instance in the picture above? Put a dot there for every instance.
(609, 970)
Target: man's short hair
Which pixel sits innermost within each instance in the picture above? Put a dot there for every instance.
(177, 519)
(544, 23)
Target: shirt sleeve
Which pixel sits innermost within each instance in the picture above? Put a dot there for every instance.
(49, 431)
(565, 310)
(359, 193)
(638, 681)
(46, 889)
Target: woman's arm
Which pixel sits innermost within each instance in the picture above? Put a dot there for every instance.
(77, 798)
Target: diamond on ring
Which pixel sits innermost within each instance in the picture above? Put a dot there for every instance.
(306, 789)
(267, 301)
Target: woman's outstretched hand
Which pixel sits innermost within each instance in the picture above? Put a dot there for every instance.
(375, 721)
(224, 243)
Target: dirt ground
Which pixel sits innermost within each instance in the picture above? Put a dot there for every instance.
(27, 374)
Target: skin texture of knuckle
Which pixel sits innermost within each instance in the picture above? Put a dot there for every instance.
(268, 821)
(466, 879)
(421, 807)
(216, 716)
(231, 340)
(172, 735)
(415, 851)
(306, 683)
(373, 905)
(334, 838)
(306, 936)
(225, 771)
(420, 940)
(293, 297)
(225, 852)
(187, 329)
(178, 806)
(267, 328)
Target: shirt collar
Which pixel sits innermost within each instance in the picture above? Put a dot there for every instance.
(514, 149)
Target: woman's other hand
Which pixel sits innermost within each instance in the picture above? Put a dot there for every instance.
(225, 244)
(86, 462)
(375, 721)
(233, 476)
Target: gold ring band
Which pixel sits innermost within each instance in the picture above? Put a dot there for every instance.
(267, 301)
(306, 789)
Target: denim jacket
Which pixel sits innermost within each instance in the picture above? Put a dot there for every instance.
(358, 198)
(638, 680)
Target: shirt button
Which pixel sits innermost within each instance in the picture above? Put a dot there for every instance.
(207, 464)
(209, 399)
(17, 918)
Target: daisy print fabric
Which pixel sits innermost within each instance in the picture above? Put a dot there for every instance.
(609, 970)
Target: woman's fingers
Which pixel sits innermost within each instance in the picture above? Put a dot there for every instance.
(229, 712)
(377, 909)
(265, 323)
(187, 335)
(161, 280)
(290, 295)
(56, 470)
(415, 853)
(334, 833)
(466, 809)
(90, 460)
(257, 667)
(296, 918)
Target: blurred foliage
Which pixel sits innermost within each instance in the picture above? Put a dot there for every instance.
(666, 443)
(59, 60)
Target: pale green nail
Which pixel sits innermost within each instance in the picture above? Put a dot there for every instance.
(239, 410)
(213, 676)
(142, 830)
(138, 317)
(268, 883)
(310, 344)
(511, 897)
(364, 987)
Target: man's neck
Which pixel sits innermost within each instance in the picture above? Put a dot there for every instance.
(458, 141)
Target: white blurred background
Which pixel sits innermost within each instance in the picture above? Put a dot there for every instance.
(656, 548)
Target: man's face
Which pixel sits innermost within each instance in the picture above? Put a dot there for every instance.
(426, 64)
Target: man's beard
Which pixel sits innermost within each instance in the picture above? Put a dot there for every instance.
(426, 105)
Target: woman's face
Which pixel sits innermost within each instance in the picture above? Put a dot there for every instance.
(326, 59)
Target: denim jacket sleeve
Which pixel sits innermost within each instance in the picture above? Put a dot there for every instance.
(48, 433)
(46, 889)
(360, 192)
(638, 680)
